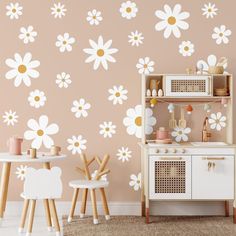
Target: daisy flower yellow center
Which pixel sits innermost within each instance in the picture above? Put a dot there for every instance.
(209, 10)
(10, 117)
(58, 9)
(40, 132)
(221, 34)
(100, 52)
(180, 132)
(64, 42)
(171, 20)
(138, 181)
(14, 10)
(80, 108)
(117, 94)
(145, 66)
(128, 9)
(94, 17)
(186, 48)
(22, 68)
(123, 153)
(27, 34)
(107, 129)
(138, 121)
(76, 144)
(135, 38)
(36, 98)
(217, 121)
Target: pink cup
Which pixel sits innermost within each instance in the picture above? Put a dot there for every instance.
(162, 133)
(14, 145)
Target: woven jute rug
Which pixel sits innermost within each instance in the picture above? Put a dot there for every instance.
(163, 226)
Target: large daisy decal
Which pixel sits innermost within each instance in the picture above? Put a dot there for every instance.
(22, 69)
(172, 20)
(100, 52)
(40, 132)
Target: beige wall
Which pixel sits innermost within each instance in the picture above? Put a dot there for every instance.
(93, 85)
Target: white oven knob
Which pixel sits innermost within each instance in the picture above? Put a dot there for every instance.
(165, 150)
(173, 150)
(157, 151)
(182, 150)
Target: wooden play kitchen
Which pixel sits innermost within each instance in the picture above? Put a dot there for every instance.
(200, 167)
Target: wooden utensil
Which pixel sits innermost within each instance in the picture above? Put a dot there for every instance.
(172, 121)
(182, 121)
(223, 61)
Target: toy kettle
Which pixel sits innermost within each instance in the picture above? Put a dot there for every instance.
(14, 145)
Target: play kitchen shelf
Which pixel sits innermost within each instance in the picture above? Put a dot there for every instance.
(198, 168)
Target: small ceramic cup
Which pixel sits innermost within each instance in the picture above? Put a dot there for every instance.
(32, 152)
(55, 150)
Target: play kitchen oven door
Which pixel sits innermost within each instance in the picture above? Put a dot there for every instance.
(213, 177)
(170, 177)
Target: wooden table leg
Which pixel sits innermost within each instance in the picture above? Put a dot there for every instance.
(105, 206)
(94, 204)
(54, 216)
(31, 217)
(23, 215)
(48, 215)
(6, 168)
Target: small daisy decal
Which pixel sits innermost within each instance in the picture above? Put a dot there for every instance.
(209, 10)
(14, 10)
(217, 121)
(123, 154)
(221, 34)
(100, 53)
(145, 65)
(80, 108)
(128, 10)
(40, 132)
(172, 21)
(77, 144)
(10, 118)
(20, 172)
(117, 95)
(63, 80)
(135, 181)
(133, 121)
(135, 38)
(94, 17)
(27, 34)
(186, 48)
(107, 129)
(22, 69)
(37, 98)
(64, 42)
(58, 10)
(181, 134)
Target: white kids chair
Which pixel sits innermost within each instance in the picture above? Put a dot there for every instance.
(90, 184)
(41, 184)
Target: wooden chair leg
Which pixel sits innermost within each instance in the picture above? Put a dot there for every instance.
(31, 217)
(94, 204)
(227, 208)
(48, 215)
(23, 215)
(73, 204)
(104, 202)
(55, 217)
(83, 204)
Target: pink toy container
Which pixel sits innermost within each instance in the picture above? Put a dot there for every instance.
(14, 145)
(162, 133)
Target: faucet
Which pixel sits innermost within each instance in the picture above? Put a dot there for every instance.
(205, 133)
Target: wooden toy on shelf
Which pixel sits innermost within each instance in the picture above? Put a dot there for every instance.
(55, 150)
(90, 184)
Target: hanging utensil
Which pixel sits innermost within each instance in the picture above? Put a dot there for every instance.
(182, 122)
(172, 121)
(222, 61)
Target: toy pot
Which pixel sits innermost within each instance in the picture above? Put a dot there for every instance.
(14, 145)
(162, 133)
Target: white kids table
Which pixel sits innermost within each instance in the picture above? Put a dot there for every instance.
(7, 159)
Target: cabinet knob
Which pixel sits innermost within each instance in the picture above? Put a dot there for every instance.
(165, 150)
(182, 150)
(173, 150)
(157, 151)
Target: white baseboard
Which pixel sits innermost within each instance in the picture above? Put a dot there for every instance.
(130, 208)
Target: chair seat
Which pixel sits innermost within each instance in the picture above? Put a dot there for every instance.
(90, 184)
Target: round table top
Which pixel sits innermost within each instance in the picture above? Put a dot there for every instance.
(42, 157)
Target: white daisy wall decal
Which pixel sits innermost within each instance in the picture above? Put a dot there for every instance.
(209, 10)
(94, 17)
(27, 34)
(64, 42)
(135, 181)
(14, 10)
(211, 61)
(20, 172)
(145, 65)
(217, 121)
(10, 118)
(172, 20)
(22, 69)
(80, 108)
(124, 154)
(221, 34)
(186, 48)
(128, 10)
(37, 98)
(58, 10)
(77, 144)
(63, 80)
(40, 132)
(117, 95)
(135, 38)
(181, 134)
(100, 53)
(107, 129)
(133, 121)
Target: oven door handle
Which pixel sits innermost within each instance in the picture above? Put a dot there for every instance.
(213, 158)
(171, 158)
